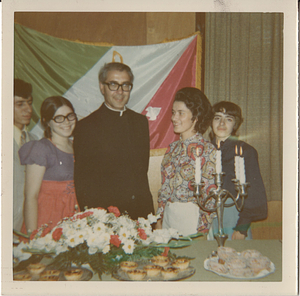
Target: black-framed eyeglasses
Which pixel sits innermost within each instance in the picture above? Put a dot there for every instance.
(113, 86)
(62, 118)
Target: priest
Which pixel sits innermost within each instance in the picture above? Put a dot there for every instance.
(111, 150)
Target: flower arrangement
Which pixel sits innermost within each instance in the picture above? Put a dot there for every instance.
(102, 238)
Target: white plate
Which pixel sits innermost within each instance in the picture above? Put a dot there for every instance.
(262, 274)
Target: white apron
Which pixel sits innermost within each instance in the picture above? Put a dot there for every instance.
(182, 216)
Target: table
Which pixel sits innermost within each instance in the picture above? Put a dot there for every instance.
(201, 248)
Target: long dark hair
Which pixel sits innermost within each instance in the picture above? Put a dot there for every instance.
(197, 102)
(48, 109)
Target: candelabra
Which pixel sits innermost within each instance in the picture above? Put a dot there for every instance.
(220, 196)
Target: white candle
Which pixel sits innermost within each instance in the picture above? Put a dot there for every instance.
(237, 164)
(219, 160)
(197, 167)
(242, 168)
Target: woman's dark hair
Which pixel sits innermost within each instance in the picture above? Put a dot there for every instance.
(231, 109)
(48, 109)
(197, 102)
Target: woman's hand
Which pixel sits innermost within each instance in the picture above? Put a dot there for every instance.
(237, 235)
(33, 181)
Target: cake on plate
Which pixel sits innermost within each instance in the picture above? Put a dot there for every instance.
(36, 268)
(128, 265)
(50, 275)
(22, 277)
(136, 274)
(181, 263)
(160, 260)
(73, 274)
(169, 273)
(153, 270)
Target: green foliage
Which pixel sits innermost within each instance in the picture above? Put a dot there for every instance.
(102, 263)
(109, 262)
(23, 264)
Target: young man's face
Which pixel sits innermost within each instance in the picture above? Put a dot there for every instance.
(116, 99)
(223, 125)
(22, 111)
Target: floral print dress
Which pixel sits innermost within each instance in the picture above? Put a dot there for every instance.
(178, 175)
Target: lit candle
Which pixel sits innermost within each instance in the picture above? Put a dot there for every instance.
(197, 167)
(242, 168)
(237, 164)
(219, 160)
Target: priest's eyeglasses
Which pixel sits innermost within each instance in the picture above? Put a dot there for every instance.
(113, 86)
(62, 118)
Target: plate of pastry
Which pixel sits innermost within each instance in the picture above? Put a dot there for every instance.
(39, 272)
(159, 268)
(245, 265)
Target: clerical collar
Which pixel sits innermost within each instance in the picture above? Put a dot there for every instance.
(121, 111)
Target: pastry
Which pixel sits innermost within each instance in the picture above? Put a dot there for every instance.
(22, 277)
(241, 272)
(225, 252)
(259, 264)
(217, 267)
(160, 260)
(136, 274)
(181, 263)
(36, 268)
(251, 254)
(153, 270)
(73, 274)
(50, 275)
(128, 265)
(235, 262)
(169, 272)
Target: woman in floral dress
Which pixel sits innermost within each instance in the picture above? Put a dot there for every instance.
(177, 205)
(49, 185)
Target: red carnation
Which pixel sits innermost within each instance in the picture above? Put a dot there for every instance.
(114, 210)
(57, 233)
(166, 251)
(85, 214)
(114, 240)
(33, 233)
(142, 233)
(45, 231)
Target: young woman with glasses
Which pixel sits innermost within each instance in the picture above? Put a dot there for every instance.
(49, 185)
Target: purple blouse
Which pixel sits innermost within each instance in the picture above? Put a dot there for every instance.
(59, 165)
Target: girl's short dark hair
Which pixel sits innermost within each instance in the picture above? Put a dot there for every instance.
(197, 102)
(231, 109)
(48, 109)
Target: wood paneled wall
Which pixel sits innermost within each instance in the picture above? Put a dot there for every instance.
(118, 28)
